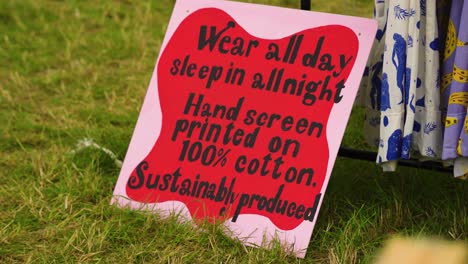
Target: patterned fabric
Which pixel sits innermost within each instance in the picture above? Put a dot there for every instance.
(401, 83)
(455, 82)
(428, 125)
(369, 94)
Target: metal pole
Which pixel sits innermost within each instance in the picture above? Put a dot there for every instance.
(372, 156)
(305, 4)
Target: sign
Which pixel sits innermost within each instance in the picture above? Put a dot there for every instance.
(244, 116)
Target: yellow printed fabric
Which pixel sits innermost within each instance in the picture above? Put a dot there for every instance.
(460, 75)
(460, 98)
(450, 121)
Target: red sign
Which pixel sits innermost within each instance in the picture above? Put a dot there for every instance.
(244, 121)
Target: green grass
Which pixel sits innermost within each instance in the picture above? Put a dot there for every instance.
(76, 69)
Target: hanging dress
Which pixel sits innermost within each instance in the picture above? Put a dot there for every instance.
(454, 88)
(370, 89)
(402, 81)
(455, 82)
(428, 125)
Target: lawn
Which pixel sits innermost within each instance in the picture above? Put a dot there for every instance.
(71, 70)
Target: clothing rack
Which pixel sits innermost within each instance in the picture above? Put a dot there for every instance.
(372, 156)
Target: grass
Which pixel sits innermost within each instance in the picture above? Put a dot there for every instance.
(77, 69)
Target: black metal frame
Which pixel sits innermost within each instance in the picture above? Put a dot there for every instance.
(306, 4)
(372, 156)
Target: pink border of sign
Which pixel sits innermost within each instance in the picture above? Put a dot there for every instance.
(269, 23)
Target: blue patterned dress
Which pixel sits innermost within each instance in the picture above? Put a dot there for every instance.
(401, 83)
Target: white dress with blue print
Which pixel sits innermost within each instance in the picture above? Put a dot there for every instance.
(401, 83)
(428, 126)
